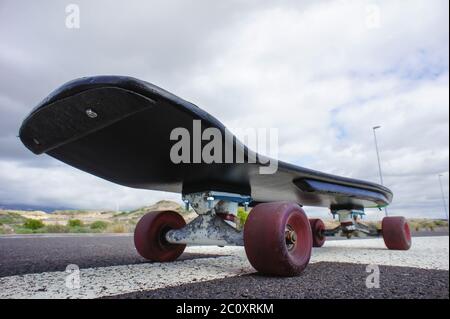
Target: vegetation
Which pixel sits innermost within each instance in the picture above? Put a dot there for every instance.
(441, 223)
(8, 218)
(118, 228)
(22, 230)
(33, 224)
(74, 223)
(415, 224)
(84, 221)
(80, 229)
(70, 212)
(242, 217)
(56, 228)
(426, 224)
(100, 225)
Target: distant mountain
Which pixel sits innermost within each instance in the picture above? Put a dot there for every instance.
(161, 205)
(47, 209)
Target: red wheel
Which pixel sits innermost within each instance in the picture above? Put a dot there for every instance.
(317, 228)
(149, 236)
(396, 233)
(277, 239)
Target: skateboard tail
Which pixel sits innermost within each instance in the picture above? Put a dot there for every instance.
(74, 117)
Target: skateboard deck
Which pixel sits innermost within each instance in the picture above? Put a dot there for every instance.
(118, 128)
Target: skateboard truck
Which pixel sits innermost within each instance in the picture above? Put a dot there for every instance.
(209, 228)
(349, 224)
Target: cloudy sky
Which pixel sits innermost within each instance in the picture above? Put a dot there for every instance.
(322, 72)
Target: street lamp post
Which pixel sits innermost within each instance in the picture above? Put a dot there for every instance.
(378, 158)
(443, 197)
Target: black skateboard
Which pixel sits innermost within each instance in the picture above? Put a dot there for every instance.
(125, 130)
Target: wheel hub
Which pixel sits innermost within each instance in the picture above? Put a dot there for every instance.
(290, 237)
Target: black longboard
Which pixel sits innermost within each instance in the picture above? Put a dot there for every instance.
(118, 128)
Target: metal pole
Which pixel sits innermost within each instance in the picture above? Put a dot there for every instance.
(379, 161)
(443, 197)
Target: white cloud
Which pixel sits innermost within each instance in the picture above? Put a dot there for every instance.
(314, 70)
(63, 186)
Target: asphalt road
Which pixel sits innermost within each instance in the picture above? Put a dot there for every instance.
(320, 280)
(35, 254)
(111, 268)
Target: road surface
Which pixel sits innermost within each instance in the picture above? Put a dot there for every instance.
(108, 266)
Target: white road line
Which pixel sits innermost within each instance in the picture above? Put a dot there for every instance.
(106, 281)
(427, 252)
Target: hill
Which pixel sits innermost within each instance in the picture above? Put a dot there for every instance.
(80, 221)
(15, 221)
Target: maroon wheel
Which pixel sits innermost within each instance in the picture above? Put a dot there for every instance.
(277, 239)
(317, 228)
(396, 233)
(149, 236)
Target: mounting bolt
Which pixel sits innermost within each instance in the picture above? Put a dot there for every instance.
(91, 113)
(210, 201)
(293, 236)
